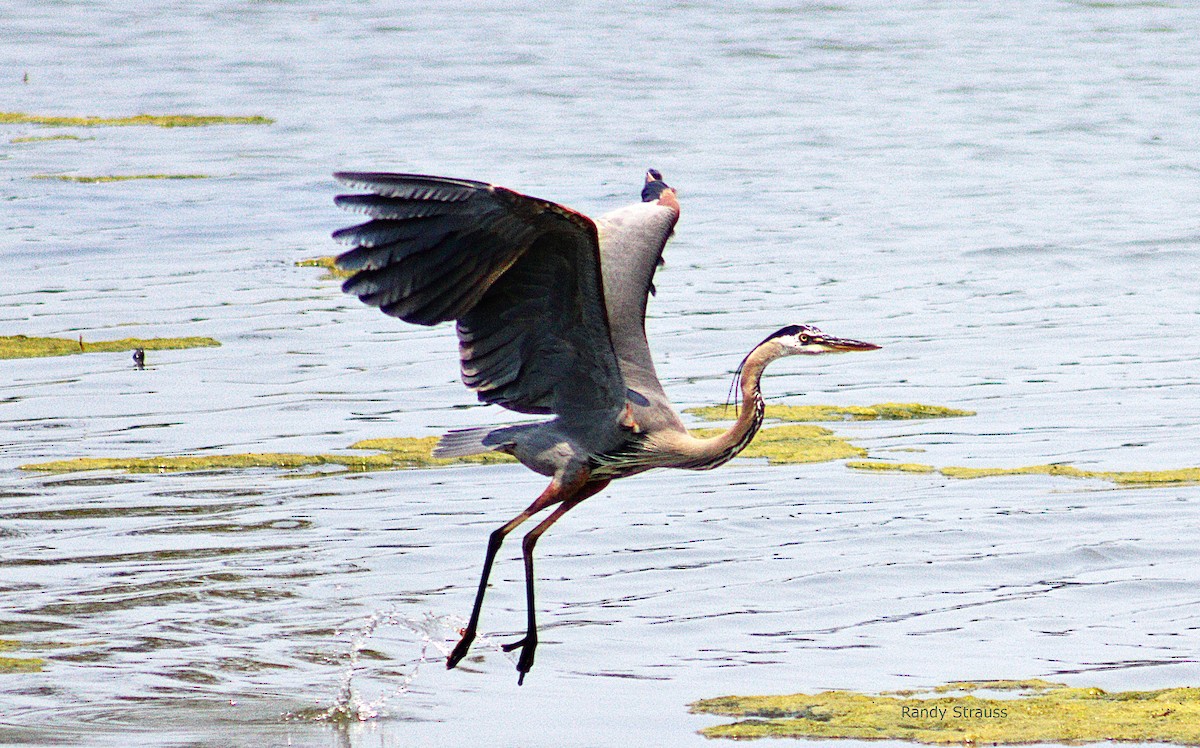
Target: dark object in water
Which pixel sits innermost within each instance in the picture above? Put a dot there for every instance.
(139, 358)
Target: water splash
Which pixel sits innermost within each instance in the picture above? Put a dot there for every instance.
(349, 706)
(434, 632)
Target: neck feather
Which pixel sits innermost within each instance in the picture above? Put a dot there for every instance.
(724, 447)
(750, 417)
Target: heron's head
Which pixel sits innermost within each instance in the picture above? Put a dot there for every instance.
(654, 186)
(807, 340)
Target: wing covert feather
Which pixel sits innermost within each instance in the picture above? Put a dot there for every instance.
(631, 246)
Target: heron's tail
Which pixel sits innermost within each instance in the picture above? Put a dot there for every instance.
(463, 442)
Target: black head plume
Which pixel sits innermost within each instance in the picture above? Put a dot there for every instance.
(789, 330)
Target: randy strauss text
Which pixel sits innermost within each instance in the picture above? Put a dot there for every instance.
(958, 712)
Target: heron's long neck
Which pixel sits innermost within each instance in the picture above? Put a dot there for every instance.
(724, 447)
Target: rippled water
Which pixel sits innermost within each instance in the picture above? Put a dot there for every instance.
(1003, 195)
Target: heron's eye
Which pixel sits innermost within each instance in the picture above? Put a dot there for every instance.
(804, 339)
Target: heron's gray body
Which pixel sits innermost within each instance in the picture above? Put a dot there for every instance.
(631, 242)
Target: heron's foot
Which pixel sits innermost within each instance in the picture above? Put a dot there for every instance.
(528, 646)
(460, 649)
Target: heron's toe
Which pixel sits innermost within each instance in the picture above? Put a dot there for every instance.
(460, 649)
(528, 647)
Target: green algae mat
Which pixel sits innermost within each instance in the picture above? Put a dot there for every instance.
(390, 454)
(810, 413)
(18, 664)
(154, 120)
(1131, 478)
(45, 138)
(1008, 712)
(332, 271)
(787, 444)
(795, 444)
(106, 178)
(21, 665)
(21, 346)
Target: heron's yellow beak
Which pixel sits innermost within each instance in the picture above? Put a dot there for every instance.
(845, 344)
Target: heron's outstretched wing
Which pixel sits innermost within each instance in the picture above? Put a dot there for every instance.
(520, 275)
(631, 245)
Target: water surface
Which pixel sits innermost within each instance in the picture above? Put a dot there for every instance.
(1003, 197)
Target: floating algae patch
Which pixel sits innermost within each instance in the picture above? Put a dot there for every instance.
(46, 138)
(1123, 477)
(1131, 478)
(116, 177)
(779, 445)
(20, 346)
(410, 451)
(901, 467)
(21, 665)
(1040, 713)
(156, 120)
(809, 413)
(1027, 684)
(790, 445)
(330, 265)
(189, 463)
(392, 454)
(786, 445)
(18, 664)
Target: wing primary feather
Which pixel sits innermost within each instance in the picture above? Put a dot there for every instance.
(433, 301)
(419, 240)
(415, 186)
(455, 298)
(396, 208)
(382, 231)
(397, 287)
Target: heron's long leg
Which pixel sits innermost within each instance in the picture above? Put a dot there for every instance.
(553, 494)
(528, 644)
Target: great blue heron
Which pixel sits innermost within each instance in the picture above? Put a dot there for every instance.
(550, 309)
